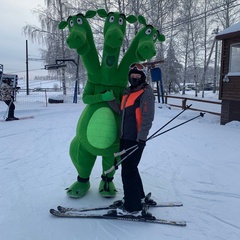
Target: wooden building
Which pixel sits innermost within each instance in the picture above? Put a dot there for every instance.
(229, 88)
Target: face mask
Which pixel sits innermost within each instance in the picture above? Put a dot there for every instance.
(134, 81)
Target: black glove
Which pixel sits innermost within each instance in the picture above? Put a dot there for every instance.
(141, 143)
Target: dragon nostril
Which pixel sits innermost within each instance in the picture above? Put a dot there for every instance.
(147, 47)
(109, 36)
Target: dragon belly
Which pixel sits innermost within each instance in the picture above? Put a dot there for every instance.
(102, 129)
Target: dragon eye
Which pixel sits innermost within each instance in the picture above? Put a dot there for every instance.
(148, 31)
(111, 19)
(71, 23)
(120, 21)
(154, 37)
(79, 21)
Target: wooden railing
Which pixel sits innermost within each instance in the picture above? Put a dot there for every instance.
(184, 103)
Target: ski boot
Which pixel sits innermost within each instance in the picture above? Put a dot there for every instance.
(148, 201)
(119, 209)
(146, 214)
(117, 204)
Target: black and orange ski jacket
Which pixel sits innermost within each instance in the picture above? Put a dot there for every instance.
(138, 109)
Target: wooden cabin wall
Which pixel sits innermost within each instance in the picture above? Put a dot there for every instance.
(229, 92)
(230, 111)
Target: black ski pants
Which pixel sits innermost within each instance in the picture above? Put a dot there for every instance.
(11, 108)
(132, 183)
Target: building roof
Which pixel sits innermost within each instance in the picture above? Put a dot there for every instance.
(230, 32)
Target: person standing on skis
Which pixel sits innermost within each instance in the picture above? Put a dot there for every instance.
(7, 97)
(137, 107)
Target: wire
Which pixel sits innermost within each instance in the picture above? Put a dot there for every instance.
(199, 16)
(25, 70)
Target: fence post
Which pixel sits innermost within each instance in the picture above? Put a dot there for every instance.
(165, 99)
(184, 103)
(46, 96)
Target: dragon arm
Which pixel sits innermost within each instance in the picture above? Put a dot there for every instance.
(96, 93)
(89, 96)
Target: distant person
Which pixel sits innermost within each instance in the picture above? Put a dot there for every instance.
(7, 97)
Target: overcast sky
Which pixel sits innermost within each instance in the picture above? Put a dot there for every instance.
(13, 17)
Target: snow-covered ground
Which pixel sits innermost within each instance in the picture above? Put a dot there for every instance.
(197, 164)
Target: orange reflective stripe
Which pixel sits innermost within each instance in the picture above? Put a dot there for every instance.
(138, 113)
(130, 98)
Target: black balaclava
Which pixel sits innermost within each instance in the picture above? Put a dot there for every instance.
(134, 82)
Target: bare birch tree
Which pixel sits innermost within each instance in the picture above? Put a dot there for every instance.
(48, 34)
(187, 25)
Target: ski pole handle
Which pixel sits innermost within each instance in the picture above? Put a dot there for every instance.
(119, 153)
(124, 151)
(110, 170)
(116, 165)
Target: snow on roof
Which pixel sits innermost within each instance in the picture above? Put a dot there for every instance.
(232, 29)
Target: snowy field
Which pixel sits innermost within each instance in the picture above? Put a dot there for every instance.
(197, 164)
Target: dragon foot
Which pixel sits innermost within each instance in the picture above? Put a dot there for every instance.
(78, 189)
(107, 189)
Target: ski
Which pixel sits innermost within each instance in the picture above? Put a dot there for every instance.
(27, 117)
(69, 209)
(20, 118)
(114, 216)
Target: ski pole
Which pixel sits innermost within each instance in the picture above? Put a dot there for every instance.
(169, 122)
(114, 167)
(125, 150)
(200, 115)
(153, 136)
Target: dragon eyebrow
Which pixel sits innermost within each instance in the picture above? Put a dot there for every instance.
(69, 18)
(80, 14)
(122, 15)
(110, 13)
(151, 26)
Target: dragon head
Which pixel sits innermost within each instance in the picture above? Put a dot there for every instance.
(146, 39)
(80, 34)
(114, 29)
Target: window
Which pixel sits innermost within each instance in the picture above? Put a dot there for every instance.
(234, 68)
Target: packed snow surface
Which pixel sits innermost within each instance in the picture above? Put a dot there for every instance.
(197, 163)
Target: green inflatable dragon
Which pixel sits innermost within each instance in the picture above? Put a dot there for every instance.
(98, 128)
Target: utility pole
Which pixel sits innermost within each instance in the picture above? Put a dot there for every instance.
(27, 79)
(63, 51)
(215, 31)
